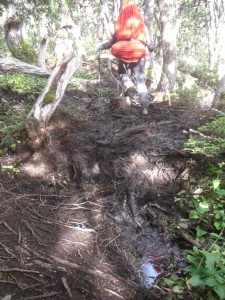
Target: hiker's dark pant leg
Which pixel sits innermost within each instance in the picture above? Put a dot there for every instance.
(122, 71)
(138, 70)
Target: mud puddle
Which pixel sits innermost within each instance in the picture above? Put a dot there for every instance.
(149, 271)
(149, 249)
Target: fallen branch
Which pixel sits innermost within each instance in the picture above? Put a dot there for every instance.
(189, 239)
(89, 271)
(49, 266)
(8, 227)
(197, 134)
(114, 293)
(38, 297)
(7, 250)
(66, 286)
(18, 270)
(32, 232)
(13, 64)
(37, 254)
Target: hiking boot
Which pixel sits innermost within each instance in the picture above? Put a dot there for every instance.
(130, 92)
(144, 111)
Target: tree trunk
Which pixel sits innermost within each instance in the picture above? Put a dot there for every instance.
(42, 54)
(16, 42)
(106, 20)
(212, 34)
(50, 98)
(168, 34)
(221, 63)
(13, 33)
(149, 16)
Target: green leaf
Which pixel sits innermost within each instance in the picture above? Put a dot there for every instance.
(168, 281)
(220, 192)
(204, 204)
(202, 207)
(216, 183)
(220, 291)
(210, 261)
(210, 281)
(196, 281)
(200, 232)
(178, 289)
(219, 278)
(194, 215)
(217, 236)
(217, 225)
(193, 259)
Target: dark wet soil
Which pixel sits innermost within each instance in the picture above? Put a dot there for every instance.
(88, 215)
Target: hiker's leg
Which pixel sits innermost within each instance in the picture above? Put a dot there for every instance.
(122, 71)
(138, 69)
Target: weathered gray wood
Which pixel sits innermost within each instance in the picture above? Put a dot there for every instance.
(13, 64)
(56, 84)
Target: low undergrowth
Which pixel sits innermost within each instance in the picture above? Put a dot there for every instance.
(204, 274)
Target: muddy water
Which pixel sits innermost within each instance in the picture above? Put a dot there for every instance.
(155, 253)
(149, 271)
(149, 249)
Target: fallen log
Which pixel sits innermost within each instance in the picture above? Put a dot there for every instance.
(16, 65)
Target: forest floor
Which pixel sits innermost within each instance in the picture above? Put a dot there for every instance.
(89, 213)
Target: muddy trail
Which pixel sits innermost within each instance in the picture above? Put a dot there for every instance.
(88, 214)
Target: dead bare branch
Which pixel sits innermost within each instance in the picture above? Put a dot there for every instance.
(97, 273)
(13, 64)
(66, 286)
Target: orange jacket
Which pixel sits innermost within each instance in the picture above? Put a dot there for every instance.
(130, 34)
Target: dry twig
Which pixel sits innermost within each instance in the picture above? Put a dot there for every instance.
(91, 272)
(66, 286)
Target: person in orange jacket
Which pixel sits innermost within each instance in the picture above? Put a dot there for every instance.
(129, 44)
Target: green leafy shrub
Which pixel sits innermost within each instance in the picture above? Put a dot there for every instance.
(83, 74)
(205, 77)
(14, 110)
(204, 276)
(25, 52)
(27, 85)
(189, 95)
(212, 140)
(12, 129)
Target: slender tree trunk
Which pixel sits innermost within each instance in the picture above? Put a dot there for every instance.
(56, 86)
(149, 16)
(42, 54)
(16, 41)
(106, 19)
(168, 34)
(50, 98)
(212, 33)
(221, 68)
(13, 33)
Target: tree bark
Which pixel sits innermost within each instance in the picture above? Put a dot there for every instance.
(149, 16)
(221, 63)
(221, 78)
(43, 109)
(42, 54)
(13, 33)
(169, 36)
(16, 41)
(212, 34)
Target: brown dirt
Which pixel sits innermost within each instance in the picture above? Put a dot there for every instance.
(93, 200)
